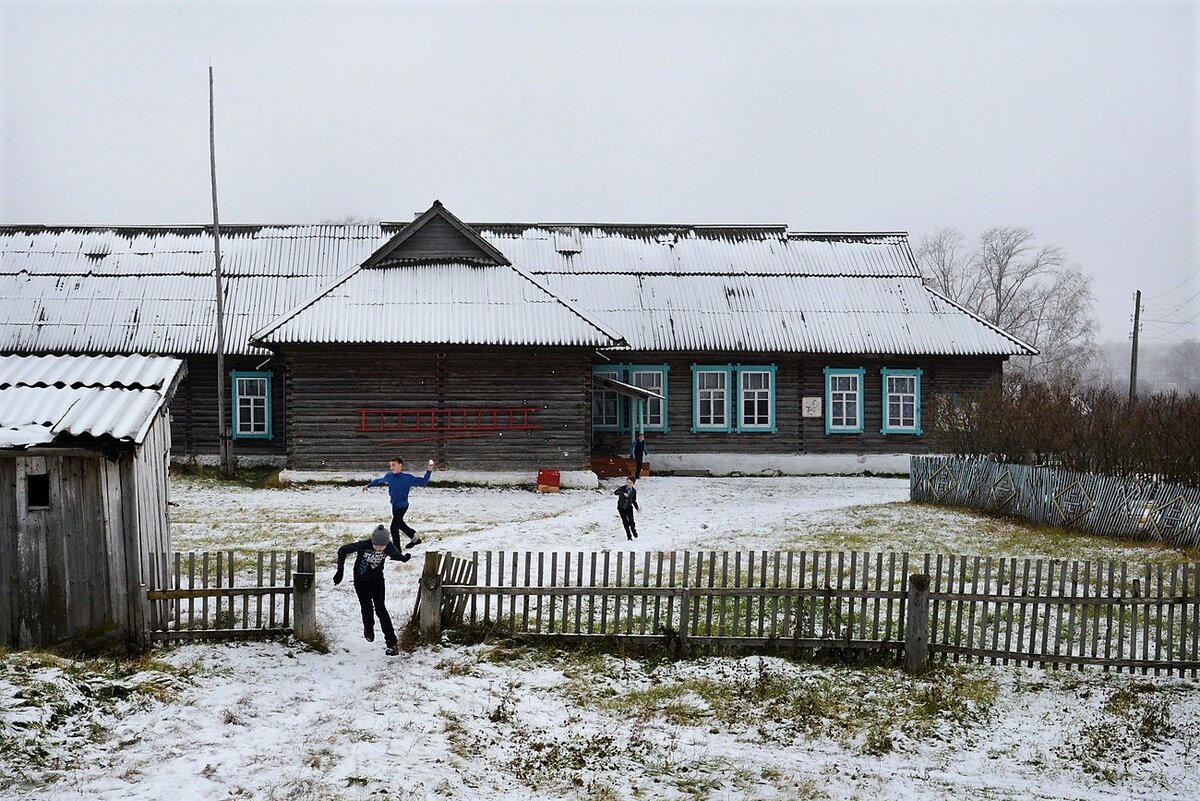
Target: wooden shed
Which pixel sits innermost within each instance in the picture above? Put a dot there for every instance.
(84, 450)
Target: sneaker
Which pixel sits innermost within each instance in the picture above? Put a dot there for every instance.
(369, 634)
(413, 542)
(392, 650)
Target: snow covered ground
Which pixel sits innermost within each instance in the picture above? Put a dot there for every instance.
(280, 721)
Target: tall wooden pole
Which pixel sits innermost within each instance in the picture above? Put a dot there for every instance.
(1137, 318)
(222, 429)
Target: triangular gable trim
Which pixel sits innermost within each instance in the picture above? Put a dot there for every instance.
(436, 210)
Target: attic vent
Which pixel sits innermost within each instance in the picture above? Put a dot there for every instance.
(567, 240)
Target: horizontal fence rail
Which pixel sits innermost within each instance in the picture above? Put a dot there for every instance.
(215, 596)
(1105, 505)
(1049, 612)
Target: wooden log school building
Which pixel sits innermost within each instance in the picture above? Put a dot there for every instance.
(514, 346)
(84, 449)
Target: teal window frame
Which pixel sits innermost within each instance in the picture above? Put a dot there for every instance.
(235, 403)
(835, 372)
(662, 370)
(742, 426)
(887, 427)
(615, 371)
(727, 371)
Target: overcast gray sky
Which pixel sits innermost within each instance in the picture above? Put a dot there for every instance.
(1079, 121)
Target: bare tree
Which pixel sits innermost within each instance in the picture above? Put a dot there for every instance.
(943, 264)
(1025, 289)
(1184, 365)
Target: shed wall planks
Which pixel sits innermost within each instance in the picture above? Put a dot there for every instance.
(9, 592)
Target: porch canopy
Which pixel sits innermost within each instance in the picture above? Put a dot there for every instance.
(628, 390)
(640, 396)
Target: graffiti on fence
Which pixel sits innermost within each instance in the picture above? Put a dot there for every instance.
(1083, 501)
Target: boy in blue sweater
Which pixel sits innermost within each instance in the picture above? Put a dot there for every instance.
(369, 558)
(398, 483)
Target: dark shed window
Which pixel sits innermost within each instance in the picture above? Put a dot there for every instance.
(37, 491)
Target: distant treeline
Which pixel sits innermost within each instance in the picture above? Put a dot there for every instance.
(1093, 430)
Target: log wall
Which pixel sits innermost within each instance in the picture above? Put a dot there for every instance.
(327, 387)
(798, 377)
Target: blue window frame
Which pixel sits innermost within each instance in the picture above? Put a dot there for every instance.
(901, 401)
(251, 401)
(756, 398)
(607, 409)
(711, 390)
(654, 378)
(729, 398)
(844, 400)
(612, 411)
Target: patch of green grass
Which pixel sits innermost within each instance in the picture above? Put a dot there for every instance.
(463, 742)
(782, 702)
(252, 477)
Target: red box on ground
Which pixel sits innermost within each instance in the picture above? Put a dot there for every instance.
(547, 480)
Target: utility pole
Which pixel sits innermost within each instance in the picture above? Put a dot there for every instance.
(1137, 318)
(222, 428)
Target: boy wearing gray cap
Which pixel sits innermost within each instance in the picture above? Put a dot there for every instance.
(369, 558)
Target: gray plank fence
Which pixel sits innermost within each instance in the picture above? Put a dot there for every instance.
(217, 596)
(1146, 510)
(1048, 612)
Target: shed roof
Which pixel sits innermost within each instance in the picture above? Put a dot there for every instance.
(114, 397)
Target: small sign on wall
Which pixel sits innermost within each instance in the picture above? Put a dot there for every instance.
(810, 407)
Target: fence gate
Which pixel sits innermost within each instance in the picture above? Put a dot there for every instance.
(223, 596)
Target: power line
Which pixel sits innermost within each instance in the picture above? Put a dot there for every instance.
(1183, 303)
(1182, 283)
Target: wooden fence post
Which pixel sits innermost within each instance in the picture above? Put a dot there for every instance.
(431, 598)
(683, 621)
(916, 625)
(304, 595)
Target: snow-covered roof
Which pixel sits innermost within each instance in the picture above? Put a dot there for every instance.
(43, 397)
(462, 304)
(691, 250)
(152, 290)
(782, 313)
(654, 287)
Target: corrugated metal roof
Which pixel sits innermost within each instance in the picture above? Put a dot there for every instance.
(42, 397)
(691, 250)
(152, 290)
(797, 314)
(121, 372)
(467, 304)
(657, 286)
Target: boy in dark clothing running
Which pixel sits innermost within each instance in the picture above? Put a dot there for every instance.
(369, 558)
(398, 483)
(639, 454)
(626, 503)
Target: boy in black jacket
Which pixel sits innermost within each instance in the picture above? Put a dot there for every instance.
(370, 557)
(626, 503)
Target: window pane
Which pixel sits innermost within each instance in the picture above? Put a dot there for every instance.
(251, 404)
(606, 403)
(653, 381)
